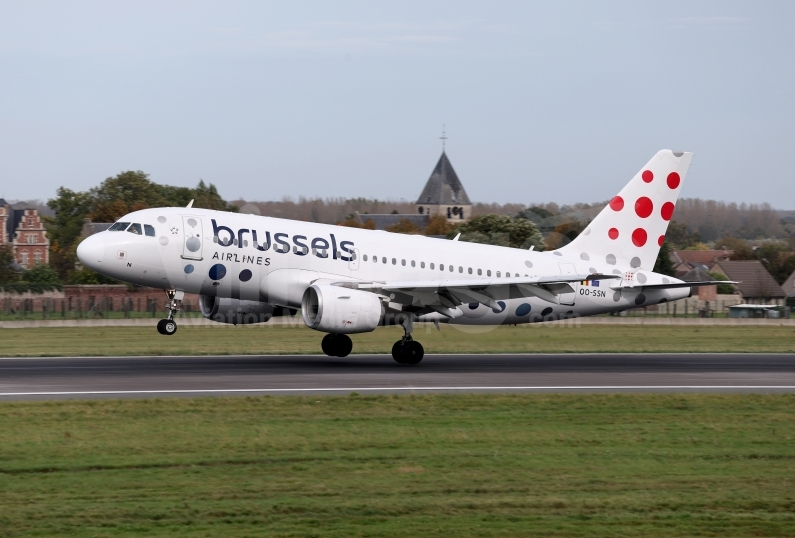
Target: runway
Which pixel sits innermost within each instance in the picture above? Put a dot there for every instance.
(98, 377)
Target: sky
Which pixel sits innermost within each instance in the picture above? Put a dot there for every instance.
(552, 101)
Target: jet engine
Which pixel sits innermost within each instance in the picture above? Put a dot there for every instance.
(234, 311)
(338, 310)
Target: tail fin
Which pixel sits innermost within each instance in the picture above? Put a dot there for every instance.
(631, 229)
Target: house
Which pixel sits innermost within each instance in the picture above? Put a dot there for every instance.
(756, 286)
(705, 293)
(687, 260)
(23, 229)
(789, 285)
(443, 195)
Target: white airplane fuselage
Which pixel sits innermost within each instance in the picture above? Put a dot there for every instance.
(271, 260)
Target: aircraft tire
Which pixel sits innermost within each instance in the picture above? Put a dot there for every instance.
(397, 352)
(167, 327)
(413, 352)
(327, 345)
(343, 345)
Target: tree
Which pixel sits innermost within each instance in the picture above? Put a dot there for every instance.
(723, 289)
(680, 237)
(500, 230)
(8, 274)
(42, 275)
(438, 225)
(404, 226)
(663, 264)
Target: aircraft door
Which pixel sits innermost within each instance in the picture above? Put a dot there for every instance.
(192, 238)
(353, 264)
(568, 297)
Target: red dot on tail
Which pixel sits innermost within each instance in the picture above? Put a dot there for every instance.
(639, 237)
(647, 176)
(612, 233)
(667, 210)
(661, 240)
(673, 180)
(643, 207)
(617, 203)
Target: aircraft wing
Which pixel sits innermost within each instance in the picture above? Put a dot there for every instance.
(445, 295)
(673, 285)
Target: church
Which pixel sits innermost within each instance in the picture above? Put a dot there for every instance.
(443, 195)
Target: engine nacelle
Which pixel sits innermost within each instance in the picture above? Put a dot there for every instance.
(338, 310)
(234, 311)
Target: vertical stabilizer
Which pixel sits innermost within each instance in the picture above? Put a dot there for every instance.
(631, 229)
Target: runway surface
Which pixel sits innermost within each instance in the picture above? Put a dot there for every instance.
(97, 377)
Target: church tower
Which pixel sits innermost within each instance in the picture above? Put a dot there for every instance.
(444, 195)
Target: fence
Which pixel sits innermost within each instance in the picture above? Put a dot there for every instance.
(89, 308)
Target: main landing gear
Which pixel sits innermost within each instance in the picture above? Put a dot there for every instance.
(407, 350)
(336, 345)
(168, 326)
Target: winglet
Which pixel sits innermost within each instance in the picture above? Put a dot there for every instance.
(190, 204)
(456, 237)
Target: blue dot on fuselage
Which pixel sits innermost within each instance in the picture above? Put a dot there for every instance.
(188, 269)
(500, 309)
(547, 311)
(217, 272)
(523, 309)
(245, 275)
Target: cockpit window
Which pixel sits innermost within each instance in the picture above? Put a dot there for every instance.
(135, 228)
(149, 229)
(119, 227)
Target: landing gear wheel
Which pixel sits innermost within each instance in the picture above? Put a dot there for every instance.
(397, 352)
(336, 345)
(407, 352)
(343, 345)
(167, 326)
(327, 345)
(413, 352)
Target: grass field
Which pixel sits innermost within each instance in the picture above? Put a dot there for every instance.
(261, 340)
(464, 465)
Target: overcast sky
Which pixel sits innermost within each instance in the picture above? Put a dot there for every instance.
(542, 101)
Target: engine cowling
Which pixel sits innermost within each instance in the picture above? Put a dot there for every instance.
(234, 311)
(338, 310)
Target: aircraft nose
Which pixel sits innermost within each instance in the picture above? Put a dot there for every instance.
(91, 251)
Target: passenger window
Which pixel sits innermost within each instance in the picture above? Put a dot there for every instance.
(403, 263)
(119, 227)
(149, 229)
(469, 270)
(441, 267)
(488, 273)
(461, 269)
(432, 266)
(135, 228)
(451, 268)
(413, 264)
(364, 257)
(498, 274)
(422, 265)
(383, 259)
(394, 261)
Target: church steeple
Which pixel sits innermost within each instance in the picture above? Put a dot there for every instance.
(444, 193)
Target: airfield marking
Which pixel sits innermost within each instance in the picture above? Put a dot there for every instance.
(357, 389)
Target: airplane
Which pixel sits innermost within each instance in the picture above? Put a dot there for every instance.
(248, 268)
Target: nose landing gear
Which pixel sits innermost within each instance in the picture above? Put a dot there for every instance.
(407, 350)
(168, 326)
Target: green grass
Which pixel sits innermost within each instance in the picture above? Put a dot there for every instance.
(265, 339)
(430, 465)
